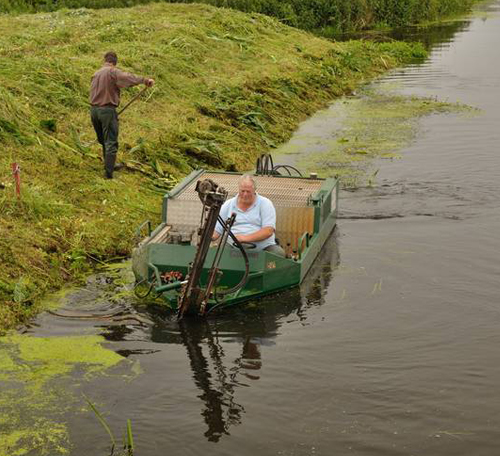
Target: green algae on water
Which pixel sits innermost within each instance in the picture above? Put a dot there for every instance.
(377, 124)
(34, 391)
(43, 358)
(46, 434)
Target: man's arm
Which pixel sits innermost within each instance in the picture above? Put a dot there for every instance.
(256, 236)
(223, 214)
(124, 79)
(260, 235)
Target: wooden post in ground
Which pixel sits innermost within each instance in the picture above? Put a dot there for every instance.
(16, 172)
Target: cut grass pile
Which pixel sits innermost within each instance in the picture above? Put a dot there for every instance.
(229, 86)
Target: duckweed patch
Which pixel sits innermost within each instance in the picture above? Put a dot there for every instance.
(34, 393)
(377, 124)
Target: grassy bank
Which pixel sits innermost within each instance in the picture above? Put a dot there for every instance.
(329, 16)
(229, 87)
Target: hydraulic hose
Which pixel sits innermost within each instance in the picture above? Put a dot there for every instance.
(244, 279)
(287, 168)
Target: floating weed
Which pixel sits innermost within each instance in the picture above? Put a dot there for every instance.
(371, 178)
(103, 422)
(128, 439)
(376, 124)
(33, 392)
(43, 359)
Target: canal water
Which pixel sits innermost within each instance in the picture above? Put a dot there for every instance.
(391, 347)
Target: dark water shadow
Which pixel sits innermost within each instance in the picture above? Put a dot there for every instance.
(217, 374)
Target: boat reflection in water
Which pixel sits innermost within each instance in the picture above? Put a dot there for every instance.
(216, 384)
(209, 341)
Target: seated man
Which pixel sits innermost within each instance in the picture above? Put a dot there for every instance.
(255, 217)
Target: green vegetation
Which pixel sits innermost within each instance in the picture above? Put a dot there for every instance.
(32, 388)
(329, 16)
(128, 439)
(376, 124)
(229, 87)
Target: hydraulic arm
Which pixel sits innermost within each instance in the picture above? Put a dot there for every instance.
(193, 297)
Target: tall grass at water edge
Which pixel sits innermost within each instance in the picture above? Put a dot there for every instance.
(329, 16)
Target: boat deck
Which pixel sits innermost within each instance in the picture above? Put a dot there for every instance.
(289, 196)
(282, 191)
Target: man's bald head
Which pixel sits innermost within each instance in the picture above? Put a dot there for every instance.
(247, 178)
(246, 189)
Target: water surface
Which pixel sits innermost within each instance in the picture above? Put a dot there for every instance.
(390, 348)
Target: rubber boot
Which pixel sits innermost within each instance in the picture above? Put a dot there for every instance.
(109, 165)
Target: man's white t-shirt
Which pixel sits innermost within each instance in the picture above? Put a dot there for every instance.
(261, 214)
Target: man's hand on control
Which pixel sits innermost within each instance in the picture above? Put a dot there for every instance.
(149, 82)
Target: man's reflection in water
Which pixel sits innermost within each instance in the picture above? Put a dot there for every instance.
(218, 382)
(250, 358)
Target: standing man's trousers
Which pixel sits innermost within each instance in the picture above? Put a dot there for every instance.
(105, 122)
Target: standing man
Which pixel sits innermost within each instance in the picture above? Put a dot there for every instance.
(104, 99)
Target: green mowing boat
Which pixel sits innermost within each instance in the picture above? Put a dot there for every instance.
(196, 275)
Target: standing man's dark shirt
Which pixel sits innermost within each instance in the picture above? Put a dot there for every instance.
(104, 99)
